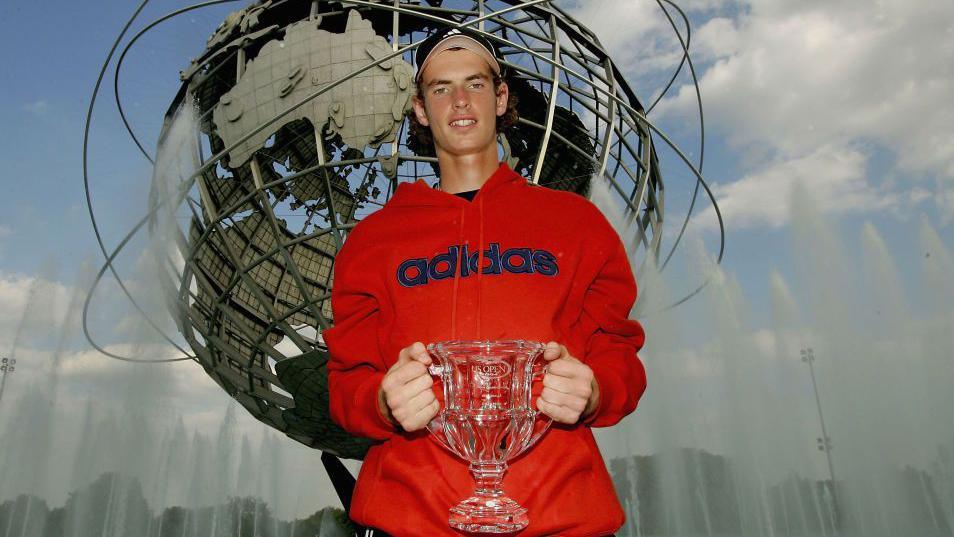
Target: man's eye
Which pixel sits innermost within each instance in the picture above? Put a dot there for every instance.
(477, 85)
(438, 91)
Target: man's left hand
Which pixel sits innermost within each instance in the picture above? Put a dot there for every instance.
(570, 391)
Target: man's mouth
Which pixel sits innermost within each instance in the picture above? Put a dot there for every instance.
(463, 122)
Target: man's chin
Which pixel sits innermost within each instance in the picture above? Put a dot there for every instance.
(463, 145)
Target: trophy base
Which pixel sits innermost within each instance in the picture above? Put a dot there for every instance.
(488, 515)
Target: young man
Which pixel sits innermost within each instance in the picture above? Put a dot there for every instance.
(484, 256)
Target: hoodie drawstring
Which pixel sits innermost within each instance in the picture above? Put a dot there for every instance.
(460, 259)
(480, 259)
(463, 259)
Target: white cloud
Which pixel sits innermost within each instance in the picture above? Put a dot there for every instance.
(28, 302)
(158, 391)
(620, 23)
(638, 35)
(945, 204)
(834, 175)
(796, 76)
(788, 85)
(40, 327)
(39, 107)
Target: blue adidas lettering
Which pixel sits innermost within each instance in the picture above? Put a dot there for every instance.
(421, 270)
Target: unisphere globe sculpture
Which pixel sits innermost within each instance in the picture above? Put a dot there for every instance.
(302, 132)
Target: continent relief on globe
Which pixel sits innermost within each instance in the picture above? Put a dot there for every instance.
(365, 110)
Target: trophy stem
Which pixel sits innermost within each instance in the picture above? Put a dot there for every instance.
(489, 478)
(489, 510)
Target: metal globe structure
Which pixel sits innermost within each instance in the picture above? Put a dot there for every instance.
(302, 132)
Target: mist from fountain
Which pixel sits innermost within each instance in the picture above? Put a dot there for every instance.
(129, 456)
(133, 472)
(727, 440)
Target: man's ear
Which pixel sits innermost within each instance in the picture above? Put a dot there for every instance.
(503, 96)
(419, 112)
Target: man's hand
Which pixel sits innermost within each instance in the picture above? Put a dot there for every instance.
(570, 390)
(405, 395)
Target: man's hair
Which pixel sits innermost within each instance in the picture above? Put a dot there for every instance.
(420, 138)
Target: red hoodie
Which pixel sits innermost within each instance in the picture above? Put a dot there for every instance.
(553, 269)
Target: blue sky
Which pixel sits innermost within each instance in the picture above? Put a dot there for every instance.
(849, 99)
(52, 73)
(52, 53)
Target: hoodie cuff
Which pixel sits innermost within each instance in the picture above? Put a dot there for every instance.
(376, 426)
(617, 399)
(599, 406)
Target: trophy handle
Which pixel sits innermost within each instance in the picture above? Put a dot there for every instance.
(436, 428)
(436, 425)
(535, 376)
(538, 376)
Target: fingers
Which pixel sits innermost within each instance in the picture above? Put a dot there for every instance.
(413, 387)
(558, 413)
(570, 401)
(403, 383)
(416, 352)
(554, 351)
(567, 385)
(407, 388)
(412, 362)
(402, 373)
(423, 416)
(569, 368)
(577, 386)
(417, 411)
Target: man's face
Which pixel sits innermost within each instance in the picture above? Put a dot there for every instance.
(460, 104)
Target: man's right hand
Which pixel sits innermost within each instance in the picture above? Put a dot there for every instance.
(405, 395)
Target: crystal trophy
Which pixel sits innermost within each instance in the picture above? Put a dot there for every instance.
(488, 418)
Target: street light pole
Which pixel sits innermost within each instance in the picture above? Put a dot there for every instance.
(824, 443)
(7, 366)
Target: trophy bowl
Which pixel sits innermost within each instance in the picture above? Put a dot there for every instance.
(488, 417)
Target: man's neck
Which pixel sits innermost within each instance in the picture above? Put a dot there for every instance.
(460, 173)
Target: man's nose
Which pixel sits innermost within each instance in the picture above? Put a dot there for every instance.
(461, 98)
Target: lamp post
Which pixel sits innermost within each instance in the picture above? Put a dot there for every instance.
(7, 366)
(824, 443)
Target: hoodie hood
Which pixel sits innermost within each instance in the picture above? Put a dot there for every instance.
(420, 194)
